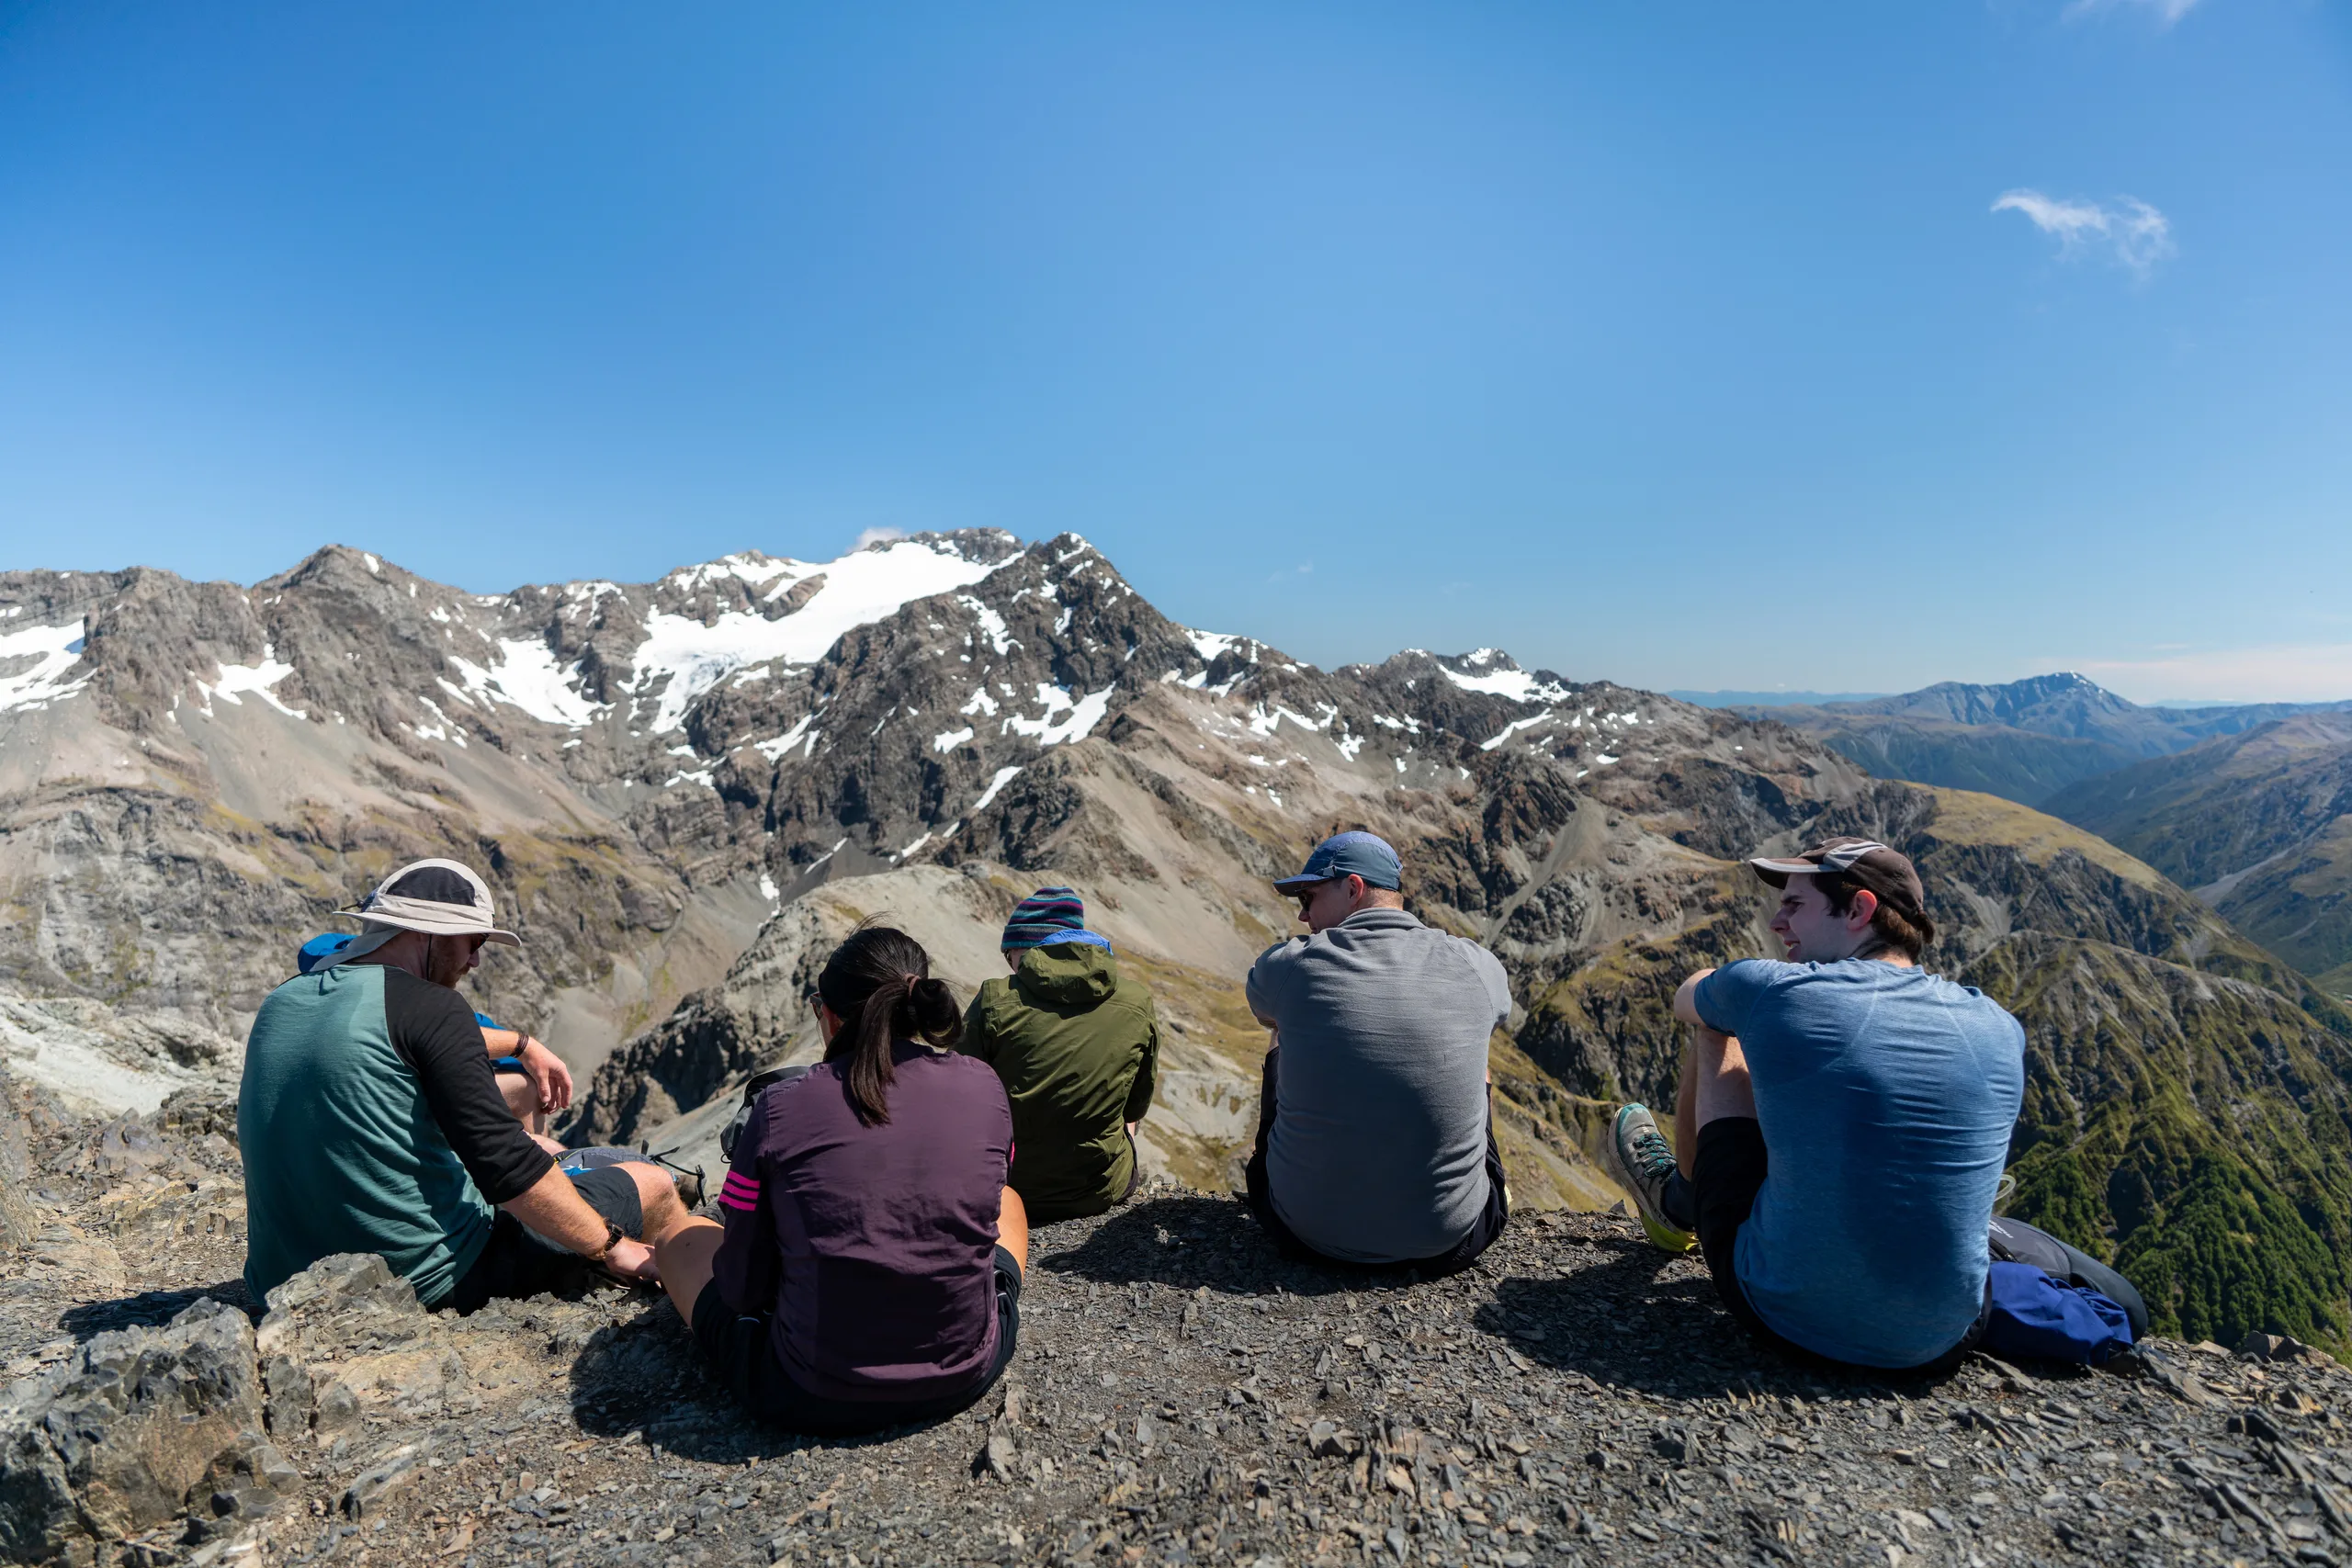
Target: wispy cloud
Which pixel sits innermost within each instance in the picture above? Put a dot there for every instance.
(877, 537)
(2130, 233)
(2278, 672)
(2166, 11)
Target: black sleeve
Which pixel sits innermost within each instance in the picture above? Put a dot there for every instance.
(434, 1032)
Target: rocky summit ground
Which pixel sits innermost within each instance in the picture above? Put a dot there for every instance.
(1182, 1394)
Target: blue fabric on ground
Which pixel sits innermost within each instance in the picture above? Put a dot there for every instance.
(1887, 1096)
(2038, 1315)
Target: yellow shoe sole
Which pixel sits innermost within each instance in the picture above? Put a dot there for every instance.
(1666, 1238)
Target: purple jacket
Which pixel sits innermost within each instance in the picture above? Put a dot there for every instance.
(875, 1245)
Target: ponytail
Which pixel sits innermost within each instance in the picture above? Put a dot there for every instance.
(878, 983)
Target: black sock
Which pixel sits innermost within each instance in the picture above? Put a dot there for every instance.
(1680, 1203)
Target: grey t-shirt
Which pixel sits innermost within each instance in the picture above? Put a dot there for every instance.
(1378, 1150)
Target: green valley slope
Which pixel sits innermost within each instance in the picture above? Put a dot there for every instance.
(2260, 824)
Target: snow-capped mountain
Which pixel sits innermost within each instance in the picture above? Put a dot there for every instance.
(684, 790)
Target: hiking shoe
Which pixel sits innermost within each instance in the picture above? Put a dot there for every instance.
(1645, 1164)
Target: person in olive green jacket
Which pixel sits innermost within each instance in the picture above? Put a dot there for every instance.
(1077, 1046)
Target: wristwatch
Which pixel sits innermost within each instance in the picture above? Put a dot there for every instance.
(613, 1238)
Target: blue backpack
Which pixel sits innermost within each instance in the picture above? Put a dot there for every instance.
(2039, 1316)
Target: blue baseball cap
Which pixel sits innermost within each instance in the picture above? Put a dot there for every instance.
(1349, 855)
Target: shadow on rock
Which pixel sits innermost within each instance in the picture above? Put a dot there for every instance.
(1192, 1240)
(646, 1376)
(1637, 1318)
(148, 1309)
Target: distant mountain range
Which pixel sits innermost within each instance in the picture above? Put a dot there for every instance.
(683, 790)
(2024, 742)
(2250, 803)
(1770, 699)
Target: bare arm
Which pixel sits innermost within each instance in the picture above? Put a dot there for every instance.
(554, 1207)
(544, 1068)
(1685, 1000)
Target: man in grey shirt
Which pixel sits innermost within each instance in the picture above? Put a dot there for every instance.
(1375, 1127)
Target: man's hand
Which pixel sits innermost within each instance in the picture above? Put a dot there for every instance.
(548, 1074)
(632, 1260)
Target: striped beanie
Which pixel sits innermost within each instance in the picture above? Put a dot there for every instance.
(1048, 914)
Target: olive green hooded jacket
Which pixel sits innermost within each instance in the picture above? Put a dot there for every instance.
(1076, 1044)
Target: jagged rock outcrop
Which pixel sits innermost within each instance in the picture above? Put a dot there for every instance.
(139, 1428)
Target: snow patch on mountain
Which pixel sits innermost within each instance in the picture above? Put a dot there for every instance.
(859, 589)
(527, 677)
(1085, 713)
(53, 651)
(238, 681)
(1513, 727)
(992, 625)
(1517, 685)
(1003, 777)
(1209, 645)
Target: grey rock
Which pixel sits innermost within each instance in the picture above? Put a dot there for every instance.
(131, 1430)
(292, 1397)
(340, 1298)
(17, 1223)
(387, 1473)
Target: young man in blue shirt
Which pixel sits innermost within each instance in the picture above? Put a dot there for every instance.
(1841, 1123)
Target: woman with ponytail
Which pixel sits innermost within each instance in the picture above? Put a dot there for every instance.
(868, 1273)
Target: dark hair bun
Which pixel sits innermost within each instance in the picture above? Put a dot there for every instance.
(933, 1012)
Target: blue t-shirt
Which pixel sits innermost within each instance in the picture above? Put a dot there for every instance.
(1886, 1096)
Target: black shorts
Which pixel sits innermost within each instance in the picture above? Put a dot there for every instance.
(740, 1349)
(1725, 1175)
(519, 1262)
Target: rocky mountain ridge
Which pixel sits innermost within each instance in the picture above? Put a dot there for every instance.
(685, 790)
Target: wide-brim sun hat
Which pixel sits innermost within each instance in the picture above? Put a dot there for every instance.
(439, 897)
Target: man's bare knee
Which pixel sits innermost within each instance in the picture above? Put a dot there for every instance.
(657, 1198)
(520, 1097)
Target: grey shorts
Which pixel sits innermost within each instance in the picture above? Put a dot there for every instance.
(519, 1262)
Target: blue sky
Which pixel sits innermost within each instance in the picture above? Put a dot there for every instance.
(1685, 347)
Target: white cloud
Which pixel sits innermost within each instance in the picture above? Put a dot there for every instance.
(2167, 12)
(2280, 672)
(2135, 234)
(877, 537)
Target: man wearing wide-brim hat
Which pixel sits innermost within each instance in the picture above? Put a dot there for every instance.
(369, 1121)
